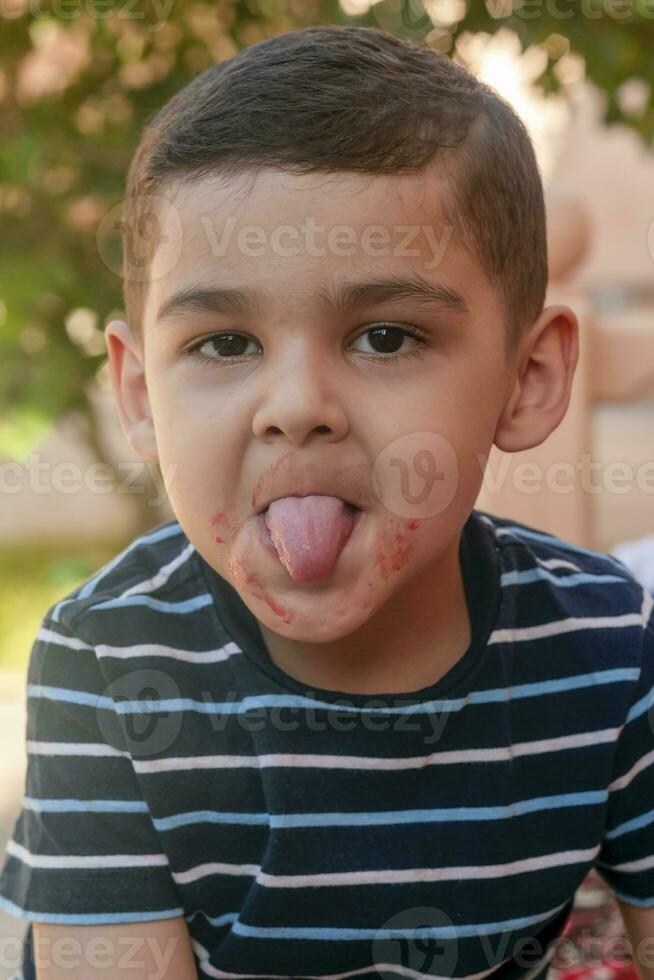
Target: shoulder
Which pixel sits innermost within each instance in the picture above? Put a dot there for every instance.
(153, 569)
(138, 622)
(561, 587)
(544, 558)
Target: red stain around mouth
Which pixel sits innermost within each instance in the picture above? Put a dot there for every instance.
(267, 476)
(244, 578)
(394, 551)
(219, 518)
(256, 589)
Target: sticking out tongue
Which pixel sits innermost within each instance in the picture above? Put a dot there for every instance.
(309, 533)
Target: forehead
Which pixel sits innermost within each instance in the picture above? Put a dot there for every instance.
(292, 237)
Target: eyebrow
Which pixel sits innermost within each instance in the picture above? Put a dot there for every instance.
(340, 298)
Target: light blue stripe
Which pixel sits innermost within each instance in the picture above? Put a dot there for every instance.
(183, 606)
(70, 697)
(564, 581)
(378, 817)
(89, 587)
(476, 697)
(435, 932)
(442, 814)
(641, 706)
(555, 542)
(153, 537)
(85, 806)
(208, 816)
(643, 903)
(635, 824)
(577, 681)
(100, 918)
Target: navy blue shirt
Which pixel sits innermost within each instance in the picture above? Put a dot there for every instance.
(174, 769)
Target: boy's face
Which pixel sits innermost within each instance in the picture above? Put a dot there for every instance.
(312, 396)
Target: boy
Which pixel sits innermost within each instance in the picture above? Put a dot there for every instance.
(332, 721)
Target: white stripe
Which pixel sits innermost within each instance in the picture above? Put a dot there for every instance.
(412, 875)
(544, 538)
(84, 861)
(388, 876)
(73, 748)
(172, 653)
(366, 762)
(647, 606)
(568, 625)
(162, 576)
(643, 864)
(375, 970)
(214, 867)
(643, 763)
(557, 563)
(50, 636)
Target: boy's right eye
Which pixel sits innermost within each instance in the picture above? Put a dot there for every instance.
(231, 343)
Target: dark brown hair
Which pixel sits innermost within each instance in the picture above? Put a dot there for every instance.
(346, 98)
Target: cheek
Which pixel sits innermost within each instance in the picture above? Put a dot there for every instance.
(433, 450)
(188, 428)
(198, 467)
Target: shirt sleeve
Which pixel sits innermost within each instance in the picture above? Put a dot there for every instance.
(84, 849)
(626, 858)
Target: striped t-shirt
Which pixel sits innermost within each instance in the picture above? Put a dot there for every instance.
(174, 769)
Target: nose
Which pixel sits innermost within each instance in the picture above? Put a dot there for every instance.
(301, 395)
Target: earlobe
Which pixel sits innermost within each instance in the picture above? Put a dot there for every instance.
(141, 438)
(545, 364)
(127, 372)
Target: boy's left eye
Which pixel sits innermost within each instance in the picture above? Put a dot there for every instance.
(384, 335)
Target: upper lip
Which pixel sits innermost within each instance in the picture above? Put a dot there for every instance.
(323, 490)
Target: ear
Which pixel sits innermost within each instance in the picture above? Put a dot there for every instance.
(545, 362)
(126, 369)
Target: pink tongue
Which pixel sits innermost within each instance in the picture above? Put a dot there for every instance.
(309, 533)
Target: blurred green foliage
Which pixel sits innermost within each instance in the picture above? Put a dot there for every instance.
(614, 37)
(39, 577)
(77, 82)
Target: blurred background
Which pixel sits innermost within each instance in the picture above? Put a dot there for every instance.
(78, 79)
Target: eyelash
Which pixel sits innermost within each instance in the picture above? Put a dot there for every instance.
(413, 332)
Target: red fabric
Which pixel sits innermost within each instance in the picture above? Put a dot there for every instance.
(594, 944)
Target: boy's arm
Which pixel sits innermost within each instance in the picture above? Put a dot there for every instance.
(625, 858)
(639, 926)
(84, 852)
(157, 950)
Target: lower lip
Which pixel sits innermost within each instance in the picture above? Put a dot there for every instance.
(266, 540)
